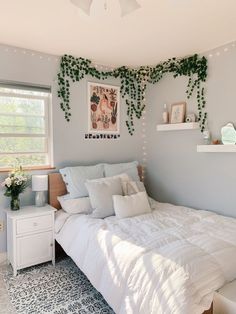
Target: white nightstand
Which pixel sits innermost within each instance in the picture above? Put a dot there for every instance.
(30, 236)
(225, 299)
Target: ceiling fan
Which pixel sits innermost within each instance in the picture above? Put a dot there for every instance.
(127, 6)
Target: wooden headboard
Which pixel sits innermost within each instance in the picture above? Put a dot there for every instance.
(57, 187)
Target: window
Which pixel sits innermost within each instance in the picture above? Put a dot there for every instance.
(25, 135)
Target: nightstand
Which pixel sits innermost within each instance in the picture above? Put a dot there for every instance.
(225, 299)
(30, 236)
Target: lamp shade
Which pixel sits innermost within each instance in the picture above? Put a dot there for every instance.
(128, 6)
(39, 183)
(84, 5)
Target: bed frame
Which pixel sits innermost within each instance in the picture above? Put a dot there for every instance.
(57, 187)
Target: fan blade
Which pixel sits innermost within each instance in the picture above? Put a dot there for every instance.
(128, 6)
(84, 5)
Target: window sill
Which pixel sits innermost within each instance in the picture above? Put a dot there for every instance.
(33, 168)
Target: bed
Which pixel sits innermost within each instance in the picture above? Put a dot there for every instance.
(169, 261)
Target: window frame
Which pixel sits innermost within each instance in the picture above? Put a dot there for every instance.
(47, 116)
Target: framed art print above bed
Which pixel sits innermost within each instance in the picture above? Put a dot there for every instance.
(103, 108)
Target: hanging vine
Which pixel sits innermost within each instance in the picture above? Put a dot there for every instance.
(134, 82)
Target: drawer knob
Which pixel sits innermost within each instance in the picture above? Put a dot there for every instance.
(35, 224)
(51, 244)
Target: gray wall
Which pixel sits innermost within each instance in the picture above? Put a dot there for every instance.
(70, 148)
(176, 173)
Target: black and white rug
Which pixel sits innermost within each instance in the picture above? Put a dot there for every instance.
(63, 289)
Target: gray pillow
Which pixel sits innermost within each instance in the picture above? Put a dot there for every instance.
(100, 194)
(75, 178)
(128, 167)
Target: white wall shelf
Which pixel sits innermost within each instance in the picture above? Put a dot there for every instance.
(178, 126)
(216, 148)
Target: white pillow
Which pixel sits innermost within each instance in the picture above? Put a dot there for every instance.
(80, 205)
(131, 205)
(100, 194)
(128, 167)
(132, 187)
(75, 178)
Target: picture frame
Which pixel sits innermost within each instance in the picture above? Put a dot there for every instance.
(178, 111)
(103, 108)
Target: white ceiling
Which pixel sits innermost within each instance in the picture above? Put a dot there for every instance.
(159, 30)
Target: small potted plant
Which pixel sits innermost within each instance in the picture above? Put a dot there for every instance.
(94, 120)
(114, 114)
(94, 102)
(105, 121)
(15, 184)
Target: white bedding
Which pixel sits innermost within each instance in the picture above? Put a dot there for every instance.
(169, 261)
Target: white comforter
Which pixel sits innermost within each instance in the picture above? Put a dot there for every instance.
(169, 261)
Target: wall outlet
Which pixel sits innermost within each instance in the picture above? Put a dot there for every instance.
(1, 225)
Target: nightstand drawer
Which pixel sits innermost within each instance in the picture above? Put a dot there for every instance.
(32, 224)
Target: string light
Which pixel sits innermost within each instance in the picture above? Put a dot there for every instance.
(225, 48)
(222, 49)
(105, 5)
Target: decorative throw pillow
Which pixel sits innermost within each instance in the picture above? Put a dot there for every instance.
(75, 178)
(80, 205)
(130, 168)
(100, 194)
(131, 205)
(132, 187)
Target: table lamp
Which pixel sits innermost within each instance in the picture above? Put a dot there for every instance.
(40, 185)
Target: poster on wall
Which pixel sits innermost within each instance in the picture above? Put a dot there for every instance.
(103, 109)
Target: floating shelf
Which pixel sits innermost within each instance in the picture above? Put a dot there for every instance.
(216, 148)
(178, 126)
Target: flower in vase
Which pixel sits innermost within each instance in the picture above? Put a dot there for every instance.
(15, 184)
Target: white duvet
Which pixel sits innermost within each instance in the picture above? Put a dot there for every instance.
(169, 261)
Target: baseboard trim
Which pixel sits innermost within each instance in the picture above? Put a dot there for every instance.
(3, 257)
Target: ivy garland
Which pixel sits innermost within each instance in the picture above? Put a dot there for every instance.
(134, 82)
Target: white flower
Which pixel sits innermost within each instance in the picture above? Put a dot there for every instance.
(7, 182)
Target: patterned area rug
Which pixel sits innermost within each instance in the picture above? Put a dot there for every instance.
(63, 289)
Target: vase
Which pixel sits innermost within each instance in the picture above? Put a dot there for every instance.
(15, 203)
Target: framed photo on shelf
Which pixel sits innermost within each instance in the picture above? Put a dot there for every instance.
(178, 111)
(103, 108)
